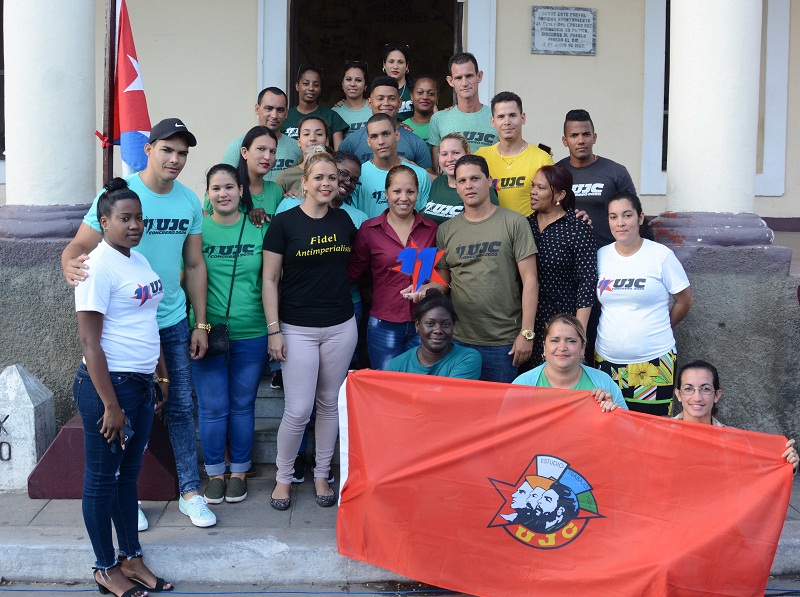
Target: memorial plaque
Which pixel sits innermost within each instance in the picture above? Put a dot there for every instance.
(563, 30)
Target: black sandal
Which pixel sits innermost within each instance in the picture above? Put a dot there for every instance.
(104, 590)
(160, 582)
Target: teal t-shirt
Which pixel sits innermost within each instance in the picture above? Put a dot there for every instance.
(444, 201)
(461, 362)
(370, 197)
(584, 383)
(288, 154)
(168, 220)
(246, 319)
(475, 126)
(335, 122)
(356, 119)
(268, 199)
(420, 130)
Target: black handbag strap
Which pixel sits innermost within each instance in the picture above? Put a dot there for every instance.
(235, 259)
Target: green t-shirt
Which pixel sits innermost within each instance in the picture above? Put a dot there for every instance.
(444, 202)
(247, 319)
(168, 220)
(420, 130)
(268, 199)
(356, 119)
(484, 279)
(406, 103)
(288, 154)
(290, 179)
(584, 383)
(335, 122)
(461, 362)
(475, 126)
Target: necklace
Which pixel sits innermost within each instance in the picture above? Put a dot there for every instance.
(513, 158)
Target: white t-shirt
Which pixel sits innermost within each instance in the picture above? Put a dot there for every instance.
(634, 292)
(126, 291)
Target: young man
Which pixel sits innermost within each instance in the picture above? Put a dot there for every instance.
(383, 139)
(426, 95)
(385, 99)
(490, 267)
(271, 108)
(173, 223)
(594, 178)
(469, 116)
(513, 162)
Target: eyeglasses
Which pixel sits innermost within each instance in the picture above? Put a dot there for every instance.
(703, 390)
(398, 46)
(344, 176)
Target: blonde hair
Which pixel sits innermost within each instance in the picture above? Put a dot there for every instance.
(460, 138)
(316, 158)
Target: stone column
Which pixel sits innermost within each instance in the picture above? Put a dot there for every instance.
(715, 58)
(50, 115)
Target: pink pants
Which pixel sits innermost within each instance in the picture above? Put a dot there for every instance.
(315, 367)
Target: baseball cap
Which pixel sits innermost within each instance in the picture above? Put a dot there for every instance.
(169, 127)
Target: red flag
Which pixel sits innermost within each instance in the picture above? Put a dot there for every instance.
(493, 489)
(131, 118)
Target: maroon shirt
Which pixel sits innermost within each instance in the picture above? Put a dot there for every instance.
(377, 246)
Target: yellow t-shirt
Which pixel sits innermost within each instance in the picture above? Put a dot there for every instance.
(513, 176)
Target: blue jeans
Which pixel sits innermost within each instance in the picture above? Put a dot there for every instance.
(108, 494)
(179, 409)
(498, 365)
(386, 340)
(226, 400)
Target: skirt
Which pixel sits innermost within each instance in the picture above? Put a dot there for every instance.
(647, 387)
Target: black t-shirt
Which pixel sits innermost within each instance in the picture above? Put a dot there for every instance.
(314, 289)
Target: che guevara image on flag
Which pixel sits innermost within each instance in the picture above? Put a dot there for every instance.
(495, 489)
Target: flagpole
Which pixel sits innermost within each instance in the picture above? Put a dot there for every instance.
(108, 90)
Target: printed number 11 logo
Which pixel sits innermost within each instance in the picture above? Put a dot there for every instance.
(419, 264)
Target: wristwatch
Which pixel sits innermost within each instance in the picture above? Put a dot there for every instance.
(203, 326)
(528, 334)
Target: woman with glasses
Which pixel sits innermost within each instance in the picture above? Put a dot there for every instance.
(354, 109)
(395, 65)
(637, 280)
(309, 85)
(698, 392)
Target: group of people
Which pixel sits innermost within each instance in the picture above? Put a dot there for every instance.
(476, 256)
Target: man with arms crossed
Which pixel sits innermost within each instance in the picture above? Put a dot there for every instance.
(513, 162)
(172, 231)
(490, 267)
(272, 110)
(469, 116)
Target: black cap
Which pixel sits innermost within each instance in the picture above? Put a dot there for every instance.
(169, 127)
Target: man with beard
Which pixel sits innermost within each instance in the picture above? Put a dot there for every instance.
(557, 506)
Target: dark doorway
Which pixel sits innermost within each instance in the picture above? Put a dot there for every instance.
(328, 32)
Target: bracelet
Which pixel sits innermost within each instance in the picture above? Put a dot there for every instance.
(202, 326)
(274, 333)
(269, 325)
(162, 380)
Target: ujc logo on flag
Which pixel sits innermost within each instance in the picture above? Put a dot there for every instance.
(131, 119)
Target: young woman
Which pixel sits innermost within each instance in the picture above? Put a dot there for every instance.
(425, 94)
(313, 138)
(354, 110)
(436, 354)
(306, 249)
(698, 392)
(390, 328)
(227, 384)
(564, 343)
(309, 86)
(637, 278)
(444, 202)
(395, 65)
(114, 389)
(567, 258)
(260, 198)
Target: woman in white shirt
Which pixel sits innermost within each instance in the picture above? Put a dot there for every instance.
(636, 280)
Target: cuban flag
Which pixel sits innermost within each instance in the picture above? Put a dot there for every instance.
(131, 119)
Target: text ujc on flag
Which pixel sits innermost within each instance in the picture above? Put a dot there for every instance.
(493, 489)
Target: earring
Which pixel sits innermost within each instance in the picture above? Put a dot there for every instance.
(305, 193)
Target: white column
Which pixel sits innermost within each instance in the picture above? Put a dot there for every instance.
(51, 147)
(715, 56)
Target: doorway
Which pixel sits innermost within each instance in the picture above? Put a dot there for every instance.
(328, 32)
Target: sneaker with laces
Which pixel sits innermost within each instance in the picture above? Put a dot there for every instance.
(197, 511)
(142, 521)
(236, 490)
(277, 380)
(299, 474)
(215, 491)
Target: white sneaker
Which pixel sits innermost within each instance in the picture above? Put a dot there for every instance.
(197, 511)
(143, 524)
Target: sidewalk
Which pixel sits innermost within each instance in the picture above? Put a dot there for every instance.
(45, 541)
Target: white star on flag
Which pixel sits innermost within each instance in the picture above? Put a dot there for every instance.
(136, 85)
